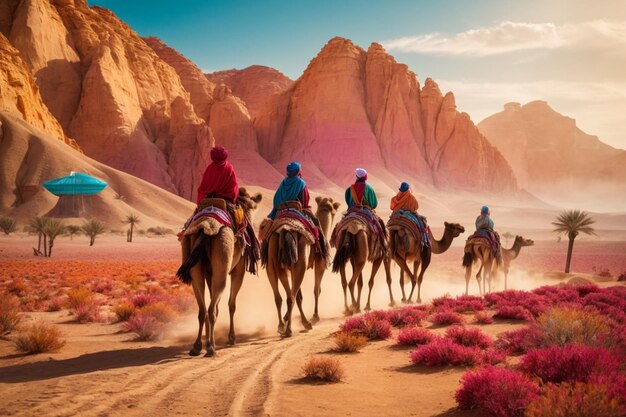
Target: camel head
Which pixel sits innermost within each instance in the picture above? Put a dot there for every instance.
(248, 202)
(519, 240)
(454, 228)
(327, 204)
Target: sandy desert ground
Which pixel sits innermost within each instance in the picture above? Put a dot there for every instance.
(103, 371)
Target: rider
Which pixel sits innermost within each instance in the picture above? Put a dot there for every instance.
(484, 226)
(219, 179)
(484, 220)
(404, 200)
(361, 193)
(291, 188)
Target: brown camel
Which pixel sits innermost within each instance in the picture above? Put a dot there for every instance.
(479, 250)
(209, 256)
(404, 248)
(510, 254)
(356, 241)
(326, 210)
(287, 256)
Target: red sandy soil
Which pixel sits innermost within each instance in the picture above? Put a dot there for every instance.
(102, 371)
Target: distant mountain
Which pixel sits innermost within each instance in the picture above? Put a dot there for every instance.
(549, 153)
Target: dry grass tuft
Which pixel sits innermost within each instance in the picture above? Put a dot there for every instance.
(323, 370)
(561, 326)
(39, 337)
(349, 343)
(10, 315)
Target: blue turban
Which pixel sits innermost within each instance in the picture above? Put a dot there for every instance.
(293, 168)
(404, 187)
(484, 210)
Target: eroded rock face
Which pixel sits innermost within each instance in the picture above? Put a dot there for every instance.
(361, 108)
(19, 94)
(254, 85)
(124, 105)
(542, 144)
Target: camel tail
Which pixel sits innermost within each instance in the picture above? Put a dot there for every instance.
(287, 249)
(468, 258)
(345, 251)
(184, 272)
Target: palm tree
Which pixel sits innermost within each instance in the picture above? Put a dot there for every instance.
(572, 222)
(52, 229)
(92, 228)
(72, 230)
(37, 225)
(131, 219)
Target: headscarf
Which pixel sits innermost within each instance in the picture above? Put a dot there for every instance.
(219, 154)
(404, 187)
(293, 169)
(361, 173)
(485, 210)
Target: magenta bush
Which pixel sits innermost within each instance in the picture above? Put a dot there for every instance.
(353, 324)
(145, 326)
(496, 392)
(142, 300)
(468, 336)
(443, 351)
(483, 317)
(519, 341)
(376, 329)
(558, 293)
(534, 303)
(492, 356)
(461, 304)
(446, 317)
(413, 336)
(608, 303)
(406, 316)
(568, 363)
(513, 312)
(615, 384)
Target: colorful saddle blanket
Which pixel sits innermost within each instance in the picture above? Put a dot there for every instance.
(493, 240)
(378, 237)
(412, 221)
(294, 214)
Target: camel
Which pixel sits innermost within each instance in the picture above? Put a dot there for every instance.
(209, 259)
(326, 210)
(475, 250)
(510, 254)
(355, 244)
(287, 256)
(404, 248)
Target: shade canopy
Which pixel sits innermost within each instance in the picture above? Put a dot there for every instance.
(75, 184)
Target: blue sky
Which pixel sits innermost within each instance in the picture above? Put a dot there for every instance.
(571, 53)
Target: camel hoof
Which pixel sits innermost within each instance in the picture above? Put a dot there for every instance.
(419, 301)
(231, 341)
(367, 308)
(404, 301)
(195, 352)
(392, 304)
(347, 312)
(307, 326)
(315, 318)
(210, 352)
(287, 333)
(281, 328)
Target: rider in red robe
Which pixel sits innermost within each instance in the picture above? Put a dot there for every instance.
(219, 179)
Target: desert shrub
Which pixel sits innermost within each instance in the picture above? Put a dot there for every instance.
(10, 315)
(604, 272)
(182, 301)
(519, 341)
(56, 303)
(348, 342)
(513, 312)
(160, 231)
(483, 318)
(492, 356)
(574, 400)
(124, 310)
(18, 287)
(102, 286)
(496, 392)
(442, 351)
(145, 326)
(323, 369)
(608, 303)
(406, 316)
(558, 293)
(468, 336)
(567, 363)
(142, 300)
(88, 312)
(561, 326)
(39, 337)
(78, 296)
(413, 336)
(535, 304)
(8, 225)
(615, 385)
(368, 325)
(446, 317)
(585, 289)
(160, 311)
(351, 325)
(460, 304)
(621, 277)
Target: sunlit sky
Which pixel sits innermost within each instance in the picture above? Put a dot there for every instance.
(488, 52)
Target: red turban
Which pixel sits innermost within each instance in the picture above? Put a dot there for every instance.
(219, 154)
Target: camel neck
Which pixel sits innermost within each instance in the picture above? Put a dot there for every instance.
(513, 252)
(442, 245)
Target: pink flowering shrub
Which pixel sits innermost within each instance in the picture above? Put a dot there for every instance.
(406, 316)
(353, 324)
(568, 363)
(145, 326)
(443, 351)
(88, 312)
(496, 392)
(513, 312)
(535, 304)
(615, 385)
(460, 304)
(368, 325)
(413, 336)
(468, 336)
(446, 317)
(492, 356)
(608, 303)
(483, 317)
(519, 341)
(142, 299)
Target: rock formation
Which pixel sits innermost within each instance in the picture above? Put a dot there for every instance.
(254, 85)
(548, 152)
(353, 107)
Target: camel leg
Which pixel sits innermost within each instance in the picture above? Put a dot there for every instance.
(506, 273)
(402, 285)
(297, 276)
(468, 274)
(344, 285)
(375, 267)
(236, 280)
(416, 264)
(405, 268)
(273, 269)
(305, 323)
(317, 289)
(426, 254)
(360, 258)
(221, 258)
(197, 284)
(359, 285)
(387, 265)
